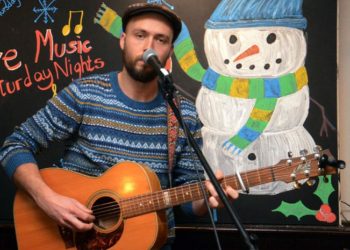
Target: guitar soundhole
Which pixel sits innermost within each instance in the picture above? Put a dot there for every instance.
(107, 213)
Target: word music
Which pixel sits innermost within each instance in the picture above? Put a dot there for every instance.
(67, 60)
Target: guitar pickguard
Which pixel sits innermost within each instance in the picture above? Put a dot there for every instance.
(90, 240)
(93, 240)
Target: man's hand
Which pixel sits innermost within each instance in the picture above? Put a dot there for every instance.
(65, 211)
(214, 200)
(199, 206)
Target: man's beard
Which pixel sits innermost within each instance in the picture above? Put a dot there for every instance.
(146, 74)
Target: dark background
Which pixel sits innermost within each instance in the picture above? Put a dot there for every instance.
(18, 32)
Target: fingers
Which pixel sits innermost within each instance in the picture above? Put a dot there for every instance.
(219, 174)
(231, 192)
(77, 225)
(83, 213)
(72, 214)
(214, 200)
(81, 218)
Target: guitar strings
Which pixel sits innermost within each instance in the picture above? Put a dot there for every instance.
(278, 172)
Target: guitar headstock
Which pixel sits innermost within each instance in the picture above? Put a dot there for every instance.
(307, 166)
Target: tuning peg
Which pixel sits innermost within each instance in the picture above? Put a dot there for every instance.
(303, 154)
(325, 179)
(310, 182)
(325, 161)
(317, 149)
(297, 185)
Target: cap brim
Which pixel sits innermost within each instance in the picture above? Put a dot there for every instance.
(144, 8)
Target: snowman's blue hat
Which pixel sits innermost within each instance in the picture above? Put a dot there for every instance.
(255, 13)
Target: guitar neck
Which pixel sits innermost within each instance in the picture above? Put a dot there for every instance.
(290, 170)
(175, 196)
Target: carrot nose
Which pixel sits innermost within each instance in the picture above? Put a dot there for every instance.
(248, 52)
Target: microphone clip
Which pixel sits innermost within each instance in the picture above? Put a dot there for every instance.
(166, 86)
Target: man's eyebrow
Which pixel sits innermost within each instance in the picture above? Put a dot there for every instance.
(156, 35)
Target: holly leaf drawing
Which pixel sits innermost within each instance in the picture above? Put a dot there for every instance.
(324, 189)
(297, 209)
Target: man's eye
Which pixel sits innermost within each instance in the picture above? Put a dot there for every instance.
(140, 36)
(162, 40)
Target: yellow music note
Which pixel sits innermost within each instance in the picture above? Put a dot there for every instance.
(54, 89)
(78, 28)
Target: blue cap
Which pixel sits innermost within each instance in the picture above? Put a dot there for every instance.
(257, 13)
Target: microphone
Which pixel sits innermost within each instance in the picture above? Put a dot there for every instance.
(150, 57)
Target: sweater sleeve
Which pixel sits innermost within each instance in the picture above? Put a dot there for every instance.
(57, 121)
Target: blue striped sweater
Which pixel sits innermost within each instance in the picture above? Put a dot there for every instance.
(100, 126)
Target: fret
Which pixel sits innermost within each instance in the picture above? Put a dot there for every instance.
(158, 202)
(177, 199)
(235, 184)
(247, 185)
(224, 183)
(199, 191)
(184, 193)
(272, 174)
(188, 194)
(166, 198)
(258, 173)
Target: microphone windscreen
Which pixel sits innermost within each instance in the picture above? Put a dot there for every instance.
(147, 54)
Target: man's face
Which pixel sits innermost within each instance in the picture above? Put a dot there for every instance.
(144, 32)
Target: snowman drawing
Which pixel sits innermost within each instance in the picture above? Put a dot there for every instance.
(254, 97)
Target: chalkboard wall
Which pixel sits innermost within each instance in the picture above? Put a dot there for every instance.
(45, 44)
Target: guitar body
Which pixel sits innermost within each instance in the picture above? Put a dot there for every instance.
(129, 205)
(35, 230)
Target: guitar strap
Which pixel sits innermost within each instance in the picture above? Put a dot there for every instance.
(173, 132)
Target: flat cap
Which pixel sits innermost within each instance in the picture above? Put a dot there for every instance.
(137, 9)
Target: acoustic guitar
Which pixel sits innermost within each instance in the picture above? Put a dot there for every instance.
(129, 204)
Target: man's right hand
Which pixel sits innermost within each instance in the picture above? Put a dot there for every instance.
(65, 211)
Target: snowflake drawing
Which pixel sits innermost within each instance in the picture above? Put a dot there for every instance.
(44, 11)
(161, 2)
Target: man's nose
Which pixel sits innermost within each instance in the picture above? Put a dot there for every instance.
(149, 44)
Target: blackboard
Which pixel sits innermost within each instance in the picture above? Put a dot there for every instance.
(27, 62)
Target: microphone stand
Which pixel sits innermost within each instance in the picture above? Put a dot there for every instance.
(168, 90)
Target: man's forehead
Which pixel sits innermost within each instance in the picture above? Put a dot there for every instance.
(142, 22)
(150, 16)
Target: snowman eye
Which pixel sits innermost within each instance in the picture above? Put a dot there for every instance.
(271, 38)
(233, 39)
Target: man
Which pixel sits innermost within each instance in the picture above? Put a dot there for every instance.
(108, 118)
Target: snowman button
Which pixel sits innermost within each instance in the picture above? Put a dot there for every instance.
(252, 157)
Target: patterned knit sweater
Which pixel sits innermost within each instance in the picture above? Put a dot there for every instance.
(100, 126)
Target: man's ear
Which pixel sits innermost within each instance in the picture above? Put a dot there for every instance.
(122, 41)
(171, 52)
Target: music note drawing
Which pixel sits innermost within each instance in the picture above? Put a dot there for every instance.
(78, 28)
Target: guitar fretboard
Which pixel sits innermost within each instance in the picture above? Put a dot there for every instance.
(175, 196)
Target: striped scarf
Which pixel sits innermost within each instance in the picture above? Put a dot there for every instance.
(266, 91)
